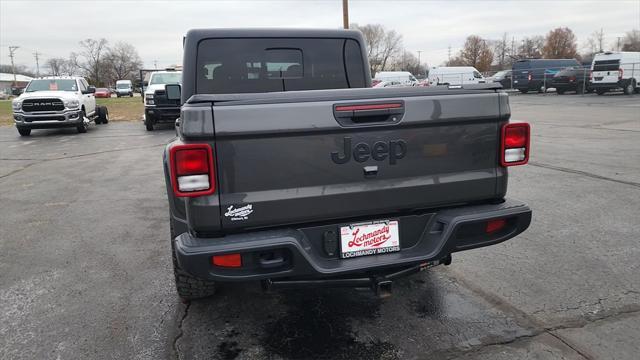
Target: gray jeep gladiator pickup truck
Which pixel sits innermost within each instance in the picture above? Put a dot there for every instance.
(289, 169)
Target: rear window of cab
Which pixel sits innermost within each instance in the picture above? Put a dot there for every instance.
(248, 65)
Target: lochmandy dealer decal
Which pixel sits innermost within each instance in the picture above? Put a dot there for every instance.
(241, 213)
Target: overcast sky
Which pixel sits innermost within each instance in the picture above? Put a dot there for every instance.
(155, 28)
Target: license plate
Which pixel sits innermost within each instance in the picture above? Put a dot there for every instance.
(374, 238)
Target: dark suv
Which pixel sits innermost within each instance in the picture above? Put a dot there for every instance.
(576, 79)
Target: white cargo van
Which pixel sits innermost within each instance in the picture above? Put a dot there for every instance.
(403, 77)
(124, 88)
(455, 75)
(616, 70)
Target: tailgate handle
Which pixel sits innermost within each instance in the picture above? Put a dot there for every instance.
(367, 113)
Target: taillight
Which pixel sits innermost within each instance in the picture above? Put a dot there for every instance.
(192, 172)
(620, 72)
(572, 78)
(590, 75)
(529, 77)
(514, 147)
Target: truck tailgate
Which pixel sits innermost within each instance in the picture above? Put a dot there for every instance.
(287, 161)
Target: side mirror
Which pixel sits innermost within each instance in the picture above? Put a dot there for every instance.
(173, 91)
(90, 90)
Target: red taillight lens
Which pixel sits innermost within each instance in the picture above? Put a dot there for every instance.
(229, 260)
(191, 161)
(529, 77)
(590, 75)
(495, 225)
(572, 78)
(514, 149)
(192, 172)
(620, 73)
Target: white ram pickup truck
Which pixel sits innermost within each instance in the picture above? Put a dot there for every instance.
(54, 102)
(157, 107)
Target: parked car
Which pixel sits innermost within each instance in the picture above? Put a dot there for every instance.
(103, 93)
(403, 77)
(572, 79)
(54, 102)
(383, 84)
(124, 88)
(536, 74)
(616, 70)
(455, 75)
(318, 180)
(503, 77)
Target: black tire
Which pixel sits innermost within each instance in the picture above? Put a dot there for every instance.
(187, 286)
(82, 128)
(560, 91)
(131, 95)
(102, 115)
(541, 89)
(24, 131)
(117, 95)
(630, 87)
(579, 89)
(600, 91)
(524, 91)
(148, 125)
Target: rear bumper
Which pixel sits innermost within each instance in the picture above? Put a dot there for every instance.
(300, 253)
(609, 85)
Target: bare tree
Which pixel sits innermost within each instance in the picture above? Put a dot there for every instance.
(407, 61)
(560, 43)
(531, 47)
(90, 57)
(120, 62)
(631, 41)
(502, 50)
(595, 43)
(56, 66)
(476, 53)
(382, 45)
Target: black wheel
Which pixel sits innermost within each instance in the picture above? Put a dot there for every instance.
(24, 131)
(630, 87)
(560, 91)
(117, 95)
(524, 91)
(102, 115)
(541, 89)
(600, 91)
(579, 89)
(82, 128)
(148, 125)
(187, 286)
(130, 94)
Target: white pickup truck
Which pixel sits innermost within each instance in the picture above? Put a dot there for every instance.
(55, 102)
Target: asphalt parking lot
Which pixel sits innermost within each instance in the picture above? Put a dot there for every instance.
(85, 267)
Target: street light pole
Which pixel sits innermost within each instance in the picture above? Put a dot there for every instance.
(345, 14)
(419, 63)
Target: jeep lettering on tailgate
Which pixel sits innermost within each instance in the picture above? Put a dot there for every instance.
(394, 150)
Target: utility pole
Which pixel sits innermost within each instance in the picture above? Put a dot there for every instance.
(419, 63)
(449, 54)
(12, 49)
(619, 38)
(36, 54)
(345, 14)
